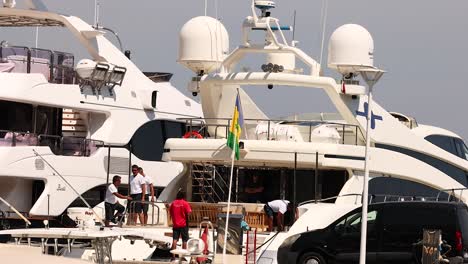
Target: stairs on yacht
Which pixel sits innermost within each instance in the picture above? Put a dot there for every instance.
(72, 124)
(74, 132)
(208, 184)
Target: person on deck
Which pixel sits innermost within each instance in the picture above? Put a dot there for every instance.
(111, 204)
(254, 190)
(137, 192)
(149, 196)
(278, 208)
(179, 210)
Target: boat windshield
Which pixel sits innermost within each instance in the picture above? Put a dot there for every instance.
(464, 150)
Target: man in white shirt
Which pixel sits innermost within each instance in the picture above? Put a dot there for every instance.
(137, 192)
(111, 204)
(278, 208)
(149, 192)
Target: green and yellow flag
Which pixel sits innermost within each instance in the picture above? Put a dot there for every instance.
(235, 130)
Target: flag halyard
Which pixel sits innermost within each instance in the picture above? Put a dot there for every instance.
(235, 130)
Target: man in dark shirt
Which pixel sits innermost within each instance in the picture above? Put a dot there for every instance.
(254, 190)
(179, 210)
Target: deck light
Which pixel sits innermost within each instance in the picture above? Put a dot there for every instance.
(116, 76)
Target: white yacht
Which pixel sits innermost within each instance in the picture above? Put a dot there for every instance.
(89, 119)
(315, 158)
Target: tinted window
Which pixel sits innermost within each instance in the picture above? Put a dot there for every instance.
(461, 148)
(444, 142)
(148, 141)
(352, 224)
(452, 171)
(419, 215)
(404, 223)
(399, 188)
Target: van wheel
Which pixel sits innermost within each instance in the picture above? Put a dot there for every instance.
(312, 258)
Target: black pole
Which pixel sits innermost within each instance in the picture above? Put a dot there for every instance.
(294, 181)
(316, 176)
(129, 165)
(108, 164)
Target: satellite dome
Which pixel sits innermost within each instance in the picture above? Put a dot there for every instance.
(203, 44)
(351, 47)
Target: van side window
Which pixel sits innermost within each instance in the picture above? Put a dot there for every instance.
(352, 223)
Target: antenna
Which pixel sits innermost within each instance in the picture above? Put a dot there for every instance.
(206, 7)
(324, 22)
(96, 13)
(294, 28)
(37, 36)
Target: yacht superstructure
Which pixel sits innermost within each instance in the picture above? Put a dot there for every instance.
(302, 160)
(90, 122)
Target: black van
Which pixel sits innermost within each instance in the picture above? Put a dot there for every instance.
(392, 232)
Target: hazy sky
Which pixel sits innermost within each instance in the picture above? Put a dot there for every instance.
(423, 44)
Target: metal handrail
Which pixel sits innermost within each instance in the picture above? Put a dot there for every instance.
(400, 198)
(15, 134)
(153, 204)
(28, 55)
(329, 198)
(340, 127)
(451, 192)
(28, 223)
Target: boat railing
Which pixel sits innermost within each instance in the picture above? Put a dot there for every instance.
(66, 146)
(56, 66)
(154, 217)
(376, 198)
(450, 195)
(278, 130)
(333, 199)
(70, 146)
(11, 138)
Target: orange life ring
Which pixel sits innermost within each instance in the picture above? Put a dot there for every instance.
(192, 134)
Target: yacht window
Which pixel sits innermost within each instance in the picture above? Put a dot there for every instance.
(444, 142)
(461, 148)
(148, 141)
(16, 116)
(154, 96)
(391, 189)
(449, 169)
(93, 196)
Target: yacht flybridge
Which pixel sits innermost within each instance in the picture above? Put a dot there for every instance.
(88, 119)
(403, 153)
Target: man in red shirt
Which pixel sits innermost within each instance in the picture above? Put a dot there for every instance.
(179, 211)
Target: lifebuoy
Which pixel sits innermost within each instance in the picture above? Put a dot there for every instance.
(192, 134)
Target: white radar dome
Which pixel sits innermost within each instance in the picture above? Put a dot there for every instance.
(350, 47)
(203, 44)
